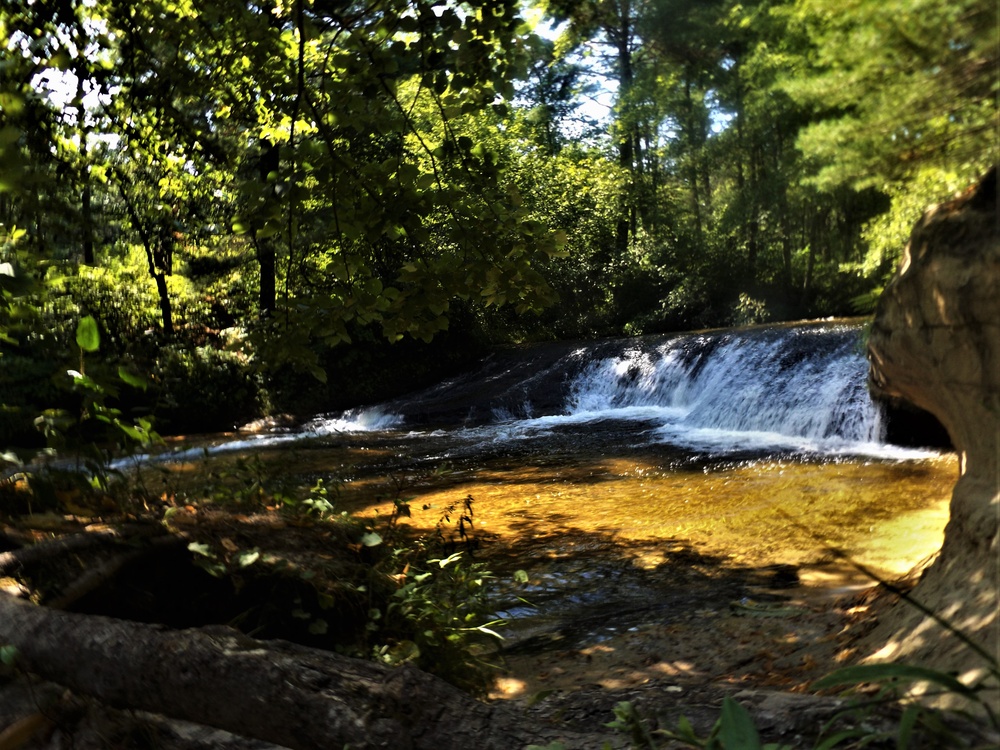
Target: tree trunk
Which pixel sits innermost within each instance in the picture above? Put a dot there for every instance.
(159, 255)
(86, 209)
(693, 168)
(268, 167)
(266, 261)
(166, 309)
(626, 143)
(807, 280)
(88, 221)
(272, 691)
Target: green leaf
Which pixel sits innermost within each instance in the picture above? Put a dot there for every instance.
(737, 730)
(906, 724)
(246, 559)
(539, 697)
(8, 655)
(202, 549)
(132, 379)
(270, 229)
(9, 135)
(131, 431)
(84, 381)
(848, 734)
(88, 337)
(402, 652)
(686, 729)
(371, 539)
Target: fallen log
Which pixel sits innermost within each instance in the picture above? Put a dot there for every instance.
(26, 556)
(275, 691)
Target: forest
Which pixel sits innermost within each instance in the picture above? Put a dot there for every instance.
(216, 213)
(263, 201)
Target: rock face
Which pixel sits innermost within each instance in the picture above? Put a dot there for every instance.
(935, 342)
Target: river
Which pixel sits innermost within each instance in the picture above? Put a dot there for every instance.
(589, 463)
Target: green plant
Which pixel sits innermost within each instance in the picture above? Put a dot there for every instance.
(316, 504)
(8, 655)
(222, 561)
(734, 730)
(437, 619)
(117, 292)
(250, 484)
(58, 424)
(891, 683)
(855, 727)
(94, 434)
(203, 389)
(462, 534)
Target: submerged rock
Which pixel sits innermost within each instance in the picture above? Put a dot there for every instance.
(935, 342)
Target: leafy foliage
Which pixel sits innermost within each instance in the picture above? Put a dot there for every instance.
(290, 180)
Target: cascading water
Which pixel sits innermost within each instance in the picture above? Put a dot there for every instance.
(787, 388)
(792, 387)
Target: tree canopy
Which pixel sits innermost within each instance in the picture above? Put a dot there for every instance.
(259, 185)
(217, 211)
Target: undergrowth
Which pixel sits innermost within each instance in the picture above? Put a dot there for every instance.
(881, 709)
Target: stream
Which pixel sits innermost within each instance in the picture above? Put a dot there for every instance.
(651, 489)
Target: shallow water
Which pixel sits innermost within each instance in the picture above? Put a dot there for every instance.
(616, 531)
(639, 484)
(885, 515)
(602, 483)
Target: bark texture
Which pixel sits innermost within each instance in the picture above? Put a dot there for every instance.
(936, 343)
(274, 691)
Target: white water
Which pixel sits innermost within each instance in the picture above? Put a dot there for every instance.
(797, 389)
(740, 386)
(800, 390)
(354, 420)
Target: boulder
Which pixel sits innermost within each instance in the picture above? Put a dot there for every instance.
(935, 342)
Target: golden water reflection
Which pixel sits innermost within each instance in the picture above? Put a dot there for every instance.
(887, 516)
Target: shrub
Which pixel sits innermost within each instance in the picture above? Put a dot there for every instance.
(204, 389)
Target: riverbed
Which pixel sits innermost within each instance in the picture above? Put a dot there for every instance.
(692, 515)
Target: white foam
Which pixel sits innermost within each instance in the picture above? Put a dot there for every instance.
(798, 390)
(353, 421)
(371, 419)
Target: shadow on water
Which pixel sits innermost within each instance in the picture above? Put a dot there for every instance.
(602, 477)
(649, 566)
(614, 531)
(585, 588)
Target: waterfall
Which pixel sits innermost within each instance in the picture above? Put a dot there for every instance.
(799, 383)
(797, 387)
